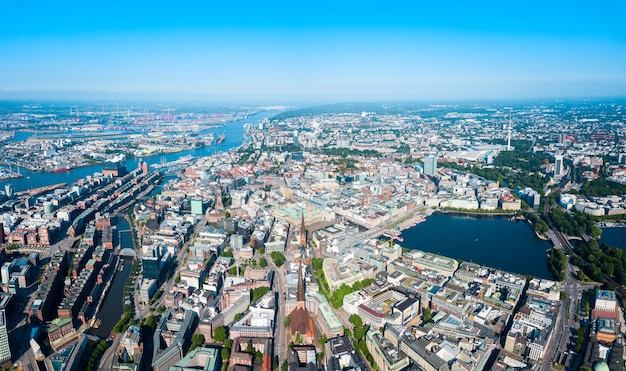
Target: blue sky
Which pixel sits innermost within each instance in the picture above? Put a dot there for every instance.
(312, 51)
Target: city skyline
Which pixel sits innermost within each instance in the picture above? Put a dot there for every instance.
(280, 53)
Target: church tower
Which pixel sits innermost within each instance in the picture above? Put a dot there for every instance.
(218, 199)
(300, 293)
(302, 233)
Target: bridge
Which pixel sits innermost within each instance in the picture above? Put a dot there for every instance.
(128, 252)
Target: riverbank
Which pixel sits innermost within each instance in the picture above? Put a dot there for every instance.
(234, 138)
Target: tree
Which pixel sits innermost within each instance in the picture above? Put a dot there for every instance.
(358, 333)
(150, 321)
(196, 341)
(227, 253)
(317, 264)
(220, 334)
(287, 321)
(279, 259)
(284, 366)
(427, 315)
(541, 227)
(323, 339)
(225, 354)
(356, 320)
(347, 332)
(238, 316)
(263, 262)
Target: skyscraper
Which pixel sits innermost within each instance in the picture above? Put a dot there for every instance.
(430, 165)
(558, 166)
(9, 190)
(5, 350)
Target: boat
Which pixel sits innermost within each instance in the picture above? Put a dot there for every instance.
(121, 267)
(399, 239)
(220, 138)
(186, 159)
(63, 169)
(391, 234)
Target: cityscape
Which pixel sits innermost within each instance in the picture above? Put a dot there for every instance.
(328, 186)
(276, 238)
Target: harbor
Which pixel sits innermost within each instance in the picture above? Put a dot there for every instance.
(234, 138)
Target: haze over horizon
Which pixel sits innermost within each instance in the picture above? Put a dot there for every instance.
(324, 52)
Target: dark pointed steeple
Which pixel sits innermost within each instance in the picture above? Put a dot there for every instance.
(300, 293)
(302, 233)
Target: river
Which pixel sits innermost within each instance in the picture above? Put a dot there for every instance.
(234, 138)
(495, 242)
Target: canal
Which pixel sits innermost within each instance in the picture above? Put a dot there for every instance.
(113, 306)
(495, 242)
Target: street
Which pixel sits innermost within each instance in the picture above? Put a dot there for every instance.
(280, 338)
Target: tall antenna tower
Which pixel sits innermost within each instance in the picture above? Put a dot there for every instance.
(508, 142)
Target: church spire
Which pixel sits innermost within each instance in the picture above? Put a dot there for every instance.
(300, 293)
(302, 233)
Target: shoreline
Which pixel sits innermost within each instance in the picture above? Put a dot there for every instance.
(474, 213)
(408, 224)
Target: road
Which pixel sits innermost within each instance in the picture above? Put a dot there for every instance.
(566, 319)
(280, 338)
(107, 358)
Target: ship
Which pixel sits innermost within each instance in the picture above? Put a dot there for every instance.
(185, 159)
(391, 233)
(220, 138)
(63, 169)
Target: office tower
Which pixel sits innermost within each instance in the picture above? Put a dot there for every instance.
(558, 166)
(430, 165)
(5, 350)
(9, 190)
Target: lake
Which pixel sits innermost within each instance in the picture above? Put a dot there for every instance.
(495, 242)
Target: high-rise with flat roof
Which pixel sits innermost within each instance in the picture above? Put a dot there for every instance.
(430, 165)
(5, 350)
(558, 166)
